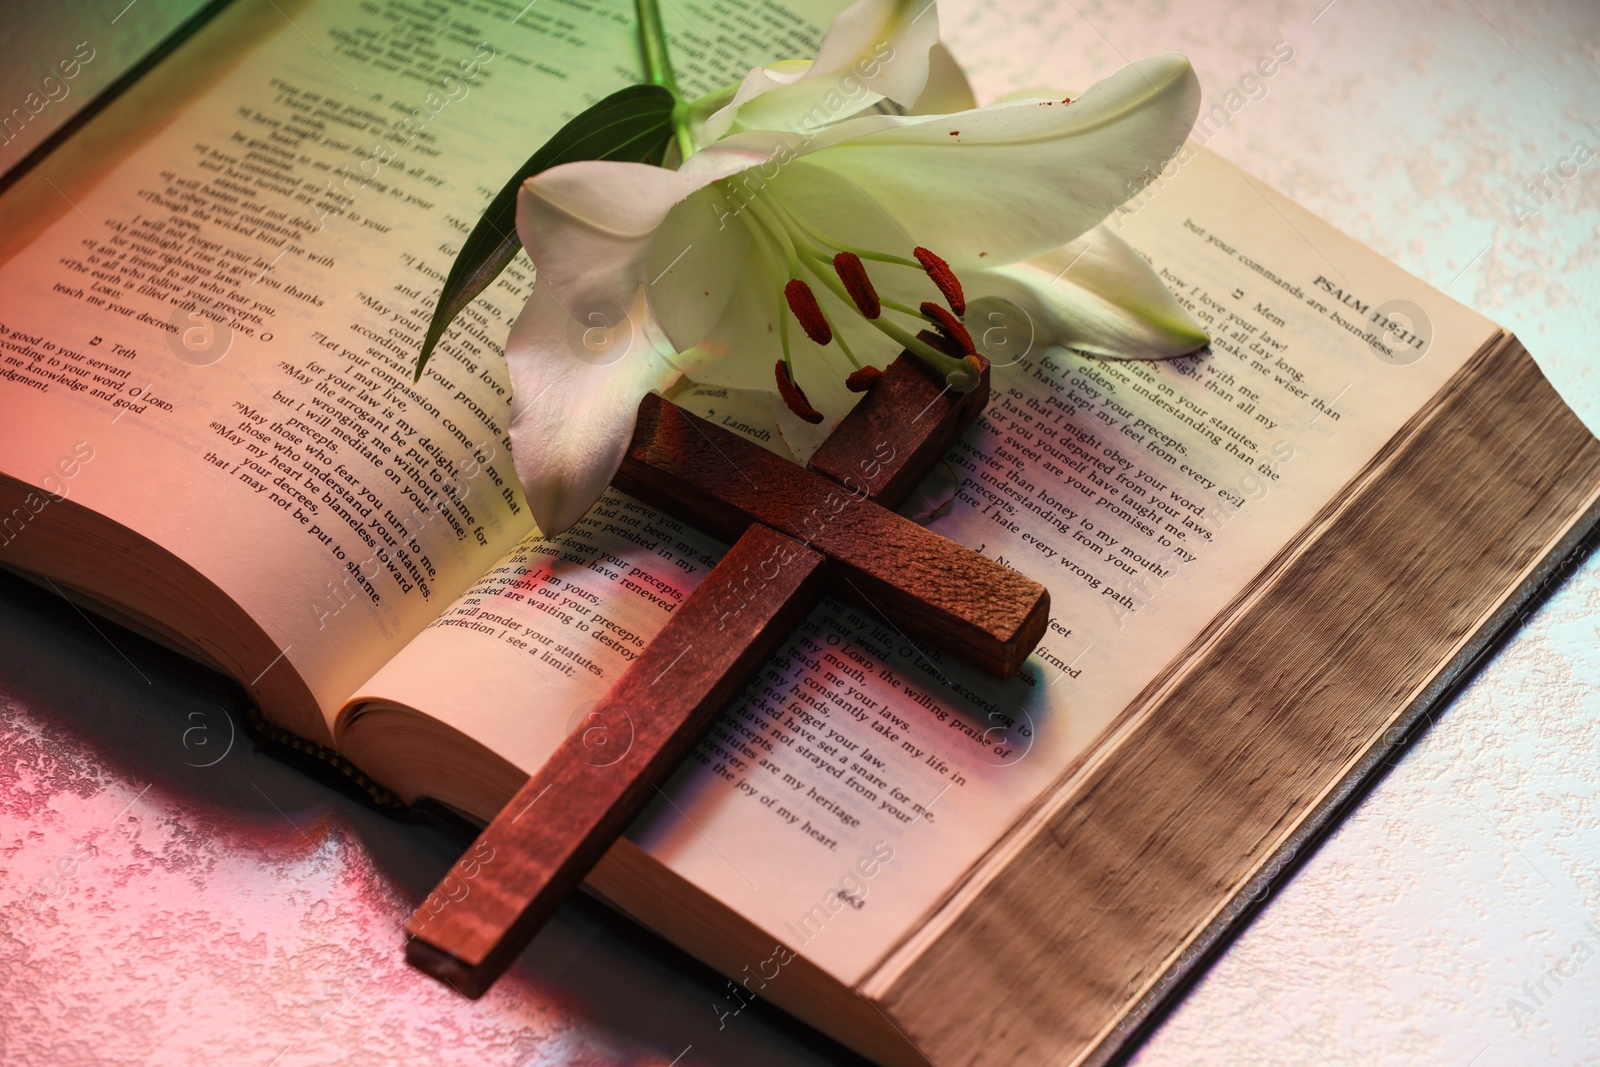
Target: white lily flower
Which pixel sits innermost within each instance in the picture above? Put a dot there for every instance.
(766, 225)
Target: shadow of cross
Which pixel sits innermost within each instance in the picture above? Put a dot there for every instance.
(797, 532)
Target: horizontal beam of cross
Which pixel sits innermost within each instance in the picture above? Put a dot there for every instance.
(927, 585)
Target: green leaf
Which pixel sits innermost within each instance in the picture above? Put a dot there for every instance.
(632, 125)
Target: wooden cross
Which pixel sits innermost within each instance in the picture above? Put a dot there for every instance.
(796, 533)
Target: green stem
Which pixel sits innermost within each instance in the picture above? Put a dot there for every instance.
(838, 337)
(658, 70)
(653, 40)
(775, 229)
(904, 309)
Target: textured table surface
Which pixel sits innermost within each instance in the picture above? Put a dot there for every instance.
(167, 898)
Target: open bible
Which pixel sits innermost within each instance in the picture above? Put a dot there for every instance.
(1264, 561)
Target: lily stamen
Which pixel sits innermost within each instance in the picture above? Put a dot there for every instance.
(826, 243)
(905, 309)
(950, 325)
(793, 396)
(862, 380)
(764, 215)
(949, 364)
(856, 282)
(838, 336)
(942, 276)
(930, 262)
(807, 312)
(799, 243)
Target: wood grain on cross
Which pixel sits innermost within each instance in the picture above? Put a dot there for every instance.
(796, 533)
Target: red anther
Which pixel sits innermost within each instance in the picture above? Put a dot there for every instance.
(940, 342)
(848, 266)
(950, 326)
(792, 395)
(803, 302)
(944, 278)
(862, 380)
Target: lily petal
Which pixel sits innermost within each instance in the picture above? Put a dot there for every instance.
(1011, 181)
(694, 262)
(576, 388)
(948, 89)
(587, 225)
(739, 350)
(874, 50)
(1096, 295)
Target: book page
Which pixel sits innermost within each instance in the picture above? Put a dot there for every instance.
(519, 661)
(863, 773)
(226, 325)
